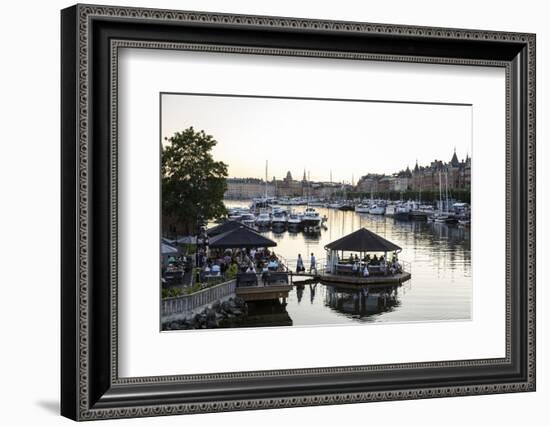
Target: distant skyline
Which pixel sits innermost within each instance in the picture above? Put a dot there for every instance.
(350, 139)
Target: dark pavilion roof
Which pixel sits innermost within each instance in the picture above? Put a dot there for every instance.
(224, 227)
(362, 240)
(242, 237)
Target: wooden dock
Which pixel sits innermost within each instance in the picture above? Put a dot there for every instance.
(260, 292)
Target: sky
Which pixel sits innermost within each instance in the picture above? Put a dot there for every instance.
(349, 139)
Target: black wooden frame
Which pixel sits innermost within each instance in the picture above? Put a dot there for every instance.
(90, 387)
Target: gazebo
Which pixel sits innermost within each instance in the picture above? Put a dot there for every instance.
(167, 251)
(361, 241)
(241, 237)
(222, 228)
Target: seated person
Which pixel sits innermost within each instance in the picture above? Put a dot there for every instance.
(355, 267)
(366, 271)
(383, 265)
(251, 269)
(216, 269)
(273, 265)
(397, 267)
(264, 270)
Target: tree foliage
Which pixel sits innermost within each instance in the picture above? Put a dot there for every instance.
(193, 183)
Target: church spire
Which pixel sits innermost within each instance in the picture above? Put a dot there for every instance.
(454, 160)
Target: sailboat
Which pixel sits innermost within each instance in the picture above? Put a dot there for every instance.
(443, 216)
(310, 217)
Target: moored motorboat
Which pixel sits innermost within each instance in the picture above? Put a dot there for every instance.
(263, 220)
(248, 219)
(377, 208)
(278, 219)
(402, 212)
(235, 214)
(311, 218)
(346, 206)
(390, 210)
(316, 203)
(362, 208)
(294, 220)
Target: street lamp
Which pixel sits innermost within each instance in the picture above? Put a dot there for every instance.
(202, 237)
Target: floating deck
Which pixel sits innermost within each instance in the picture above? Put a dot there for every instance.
(355, 280)
(372, 279)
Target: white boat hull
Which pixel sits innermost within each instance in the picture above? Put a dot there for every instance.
(377, 210)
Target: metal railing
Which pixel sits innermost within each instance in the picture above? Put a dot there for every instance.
(191, 302)
(320, 264)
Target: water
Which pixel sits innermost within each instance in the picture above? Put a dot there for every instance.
(440, 263)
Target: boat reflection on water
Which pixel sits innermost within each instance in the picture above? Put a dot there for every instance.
(360, 303)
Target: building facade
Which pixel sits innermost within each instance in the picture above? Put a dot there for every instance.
(248, 188)
(456, 174)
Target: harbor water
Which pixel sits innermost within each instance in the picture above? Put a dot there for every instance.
(437, 254)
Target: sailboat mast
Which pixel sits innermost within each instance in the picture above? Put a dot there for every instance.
(308, 189)
(446, 192)
(440, 196)
(265, 179)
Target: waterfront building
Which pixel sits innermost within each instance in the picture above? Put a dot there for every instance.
(421, 178)
(369, 183)
(288, 187)
(458, 174)
(248, 188)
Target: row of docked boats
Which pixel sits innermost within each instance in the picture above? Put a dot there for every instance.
(275, 216)
(266, 212)
(410, 210)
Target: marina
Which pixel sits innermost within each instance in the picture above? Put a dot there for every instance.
(433, 283)
(246, 245)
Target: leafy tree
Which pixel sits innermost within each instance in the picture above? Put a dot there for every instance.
(193, 184)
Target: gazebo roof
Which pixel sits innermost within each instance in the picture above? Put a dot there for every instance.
(229, 225)
(168, 249)
(242, 237)
(363, 240)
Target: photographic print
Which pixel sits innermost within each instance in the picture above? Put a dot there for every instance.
(281, 211)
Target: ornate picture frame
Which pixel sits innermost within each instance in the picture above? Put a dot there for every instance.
(90, 39)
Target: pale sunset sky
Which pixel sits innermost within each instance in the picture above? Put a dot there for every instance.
(320, 136)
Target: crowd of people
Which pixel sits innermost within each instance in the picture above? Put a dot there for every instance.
(368, 265)
(263, 261)
(254, 261)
